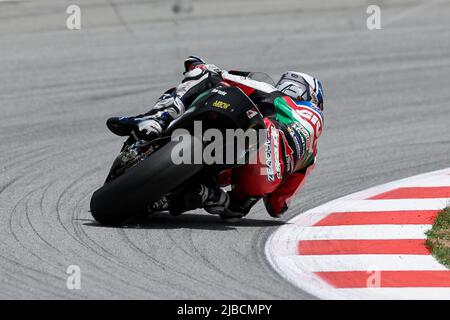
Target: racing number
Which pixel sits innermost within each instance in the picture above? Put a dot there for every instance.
(313, 119)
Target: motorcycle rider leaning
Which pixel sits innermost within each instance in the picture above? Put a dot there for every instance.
(293, 117)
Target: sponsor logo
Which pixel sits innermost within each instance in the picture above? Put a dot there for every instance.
(288, 156)
(306, 135)
(276, 144)
(221, 104)
(222, 93)
(268, 155)
(301, 134)
(251, 113)
(295, 138)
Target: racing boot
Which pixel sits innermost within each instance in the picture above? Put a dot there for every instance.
(145, 127)
(149, 126)
(237, 208)
(213, 200)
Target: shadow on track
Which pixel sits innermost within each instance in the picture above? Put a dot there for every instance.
(187, 221)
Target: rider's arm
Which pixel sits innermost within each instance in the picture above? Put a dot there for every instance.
(278, 201)
(308, 128)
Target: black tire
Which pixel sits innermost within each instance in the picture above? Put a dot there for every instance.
(130, 194)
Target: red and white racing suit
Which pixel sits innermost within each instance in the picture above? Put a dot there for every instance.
(288, 154)
(293, 128)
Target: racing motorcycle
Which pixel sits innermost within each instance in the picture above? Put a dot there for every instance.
(144, 178)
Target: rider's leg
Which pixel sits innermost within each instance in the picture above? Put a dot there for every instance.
(150, 125)
(199, 77)
(249, 182)
(260, 177)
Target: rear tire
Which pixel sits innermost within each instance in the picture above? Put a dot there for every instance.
(131, 193)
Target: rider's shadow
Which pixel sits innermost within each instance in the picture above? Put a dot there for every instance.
(189, 221)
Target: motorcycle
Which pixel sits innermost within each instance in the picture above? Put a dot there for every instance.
(144, 177)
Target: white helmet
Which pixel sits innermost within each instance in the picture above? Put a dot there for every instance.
(300, 86)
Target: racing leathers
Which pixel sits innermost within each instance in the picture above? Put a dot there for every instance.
(293, 128)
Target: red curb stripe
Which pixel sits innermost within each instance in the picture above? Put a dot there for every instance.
(388, 279)
(385, 217)
(414, 193)
(325, 247)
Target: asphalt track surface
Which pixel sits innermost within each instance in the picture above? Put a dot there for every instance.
(387, 117)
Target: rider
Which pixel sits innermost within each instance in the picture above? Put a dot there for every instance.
(293, 117)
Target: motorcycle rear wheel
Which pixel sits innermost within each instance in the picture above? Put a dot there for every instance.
(131, 193)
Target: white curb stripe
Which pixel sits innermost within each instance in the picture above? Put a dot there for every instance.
(386, 262)
(436, 181)
(362, 232)
(393, 293)
(386, 205)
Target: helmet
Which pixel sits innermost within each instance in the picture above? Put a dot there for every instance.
(191, 62)
(300, 86)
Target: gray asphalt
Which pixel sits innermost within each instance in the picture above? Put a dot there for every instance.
(387, 117)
